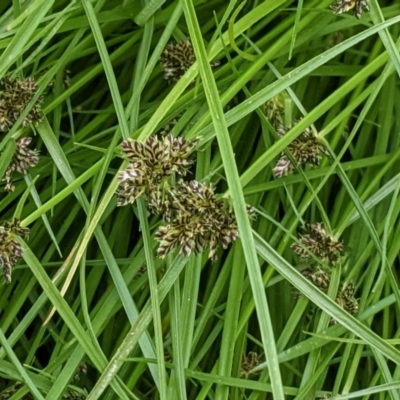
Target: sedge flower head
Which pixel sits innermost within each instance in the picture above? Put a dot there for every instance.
(345, 298)
(318, 242)
(23, 159)
(249, 362)
(14, 97)
(275, 108)
(10, 249)
(306, 149)
(196, 220)
(177, 58)
(358, 7)
(151, 164)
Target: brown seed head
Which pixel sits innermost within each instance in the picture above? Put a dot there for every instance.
(318, 242)
(197, 220)
(14, 98)
(358, 7)
(177, 59)
(10, 249)
(306, 149)
(23, 159)
(151, 164)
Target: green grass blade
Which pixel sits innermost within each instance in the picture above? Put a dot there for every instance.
(119, 109)
(239, 204)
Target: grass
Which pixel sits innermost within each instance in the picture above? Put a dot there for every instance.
(92, 311)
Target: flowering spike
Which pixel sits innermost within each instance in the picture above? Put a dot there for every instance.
(22, 159)
(10, 249)
(151, 164)
(249, 362)
(358, 7)
(345, 298)
(305, 149)
(14, 98)
(274, 109)
(318, 242)
(197, 221)
(177, 59)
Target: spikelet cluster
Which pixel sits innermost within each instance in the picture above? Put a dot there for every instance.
(177, 58)
(14, 97)
(345, 296)
(167, 128)
(358, 7)
(66, 80)
(306, 149)
(319, 277)
(334, 39)
(23, 158)
(72, 395)
(151, 165)
(141, 271)
(10, 391)
(81, 370)
(10, 249)
(249, 362)
(196, 221)
(274, 109)
(318, 242)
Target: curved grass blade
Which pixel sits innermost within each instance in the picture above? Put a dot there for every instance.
(105, 58)
(38, 202)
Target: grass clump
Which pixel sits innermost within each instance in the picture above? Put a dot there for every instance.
(163, 129)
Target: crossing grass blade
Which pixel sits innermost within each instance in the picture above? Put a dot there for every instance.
(238, 202)
(91, 310)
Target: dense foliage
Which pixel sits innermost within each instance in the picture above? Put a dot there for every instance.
(199, 199)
